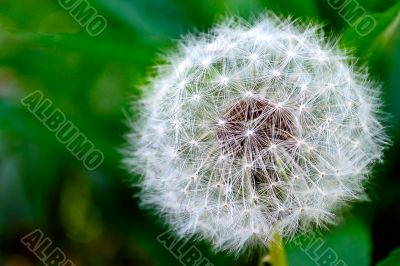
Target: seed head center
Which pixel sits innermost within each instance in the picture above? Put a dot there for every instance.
(253, 125)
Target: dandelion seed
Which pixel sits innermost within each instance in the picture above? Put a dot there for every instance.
(223, 80)
(276, 73)
(249, 133)
(205, 62)
(196, 97)
(253, 57)
(291, 53)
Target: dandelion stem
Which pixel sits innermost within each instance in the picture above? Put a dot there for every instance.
(277, 254)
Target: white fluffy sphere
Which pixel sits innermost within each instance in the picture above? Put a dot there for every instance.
(255, 129)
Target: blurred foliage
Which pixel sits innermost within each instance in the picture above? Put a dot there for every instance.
(350, 243)
(92, 215)
(393, 258)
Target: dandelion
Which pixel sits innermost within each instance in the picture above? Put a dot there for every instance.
(254, 130)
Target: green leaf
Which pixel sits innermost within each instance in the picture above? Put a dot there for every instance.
(137, 15)
(349, 244)
(377, 5)
(84, 45)
(392, 260)
(304, 9)
(380, 39)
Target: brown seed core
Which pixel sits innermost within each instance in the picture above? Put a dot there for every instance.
(253, 125)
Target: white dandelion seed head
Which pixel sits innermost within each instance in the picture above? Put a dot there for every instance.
(255, 129)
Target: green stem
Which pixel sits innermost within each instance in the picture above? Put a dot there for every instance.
(277, 254)
(277, 251)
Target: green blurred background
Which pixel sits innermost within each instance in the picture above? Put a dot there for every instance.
(92, 215)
